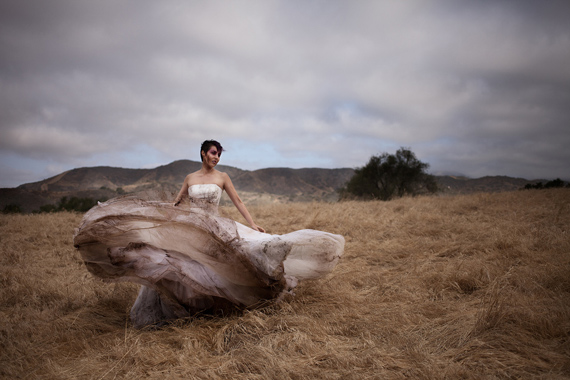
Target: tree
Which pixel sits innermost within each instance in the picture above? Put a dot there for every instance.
(12, 208)
(71, 204)
(554, 184)
(557, 183)
(76, 204)
(388, 176)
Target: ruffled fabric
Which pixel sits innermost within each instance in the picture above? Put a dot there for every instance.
(190, 259)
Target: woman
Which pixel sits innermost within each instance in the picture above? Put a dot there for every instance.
(210, 154)
(190, 259)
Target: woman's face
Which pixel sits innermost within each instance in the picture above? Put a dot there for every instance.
(212, 156)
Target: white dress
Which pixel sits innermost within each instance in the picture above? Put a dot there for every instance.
(190, 259)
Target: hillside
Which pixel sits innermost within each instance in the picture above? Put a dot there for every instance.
(494, 184)
(103, 182)
(269, 185)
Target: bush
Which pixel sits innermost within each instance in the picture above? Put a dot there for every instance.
(72, 204)
(557, 183)
(12, 208)
(388, 176)
(76, 204)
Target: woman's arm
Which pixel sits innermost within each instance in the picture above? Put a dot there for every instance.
(232, 193)
(183, 191)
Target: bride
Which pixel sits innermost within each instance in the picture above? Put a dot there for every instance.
(190, 259)
(210, 154)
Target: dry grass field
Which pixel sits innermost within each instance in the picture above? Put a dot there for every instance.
(462, 287)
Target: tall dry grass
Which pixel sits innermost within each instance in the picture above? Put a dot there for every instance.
(463, 287)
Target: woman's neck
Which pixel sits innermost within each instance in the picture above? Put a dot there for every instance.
(206, 170)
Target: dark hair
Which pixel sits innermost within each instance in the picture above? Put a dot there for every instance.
(207, 144)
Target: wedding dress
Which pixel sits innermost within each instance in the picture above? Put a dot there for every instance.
(190, 259)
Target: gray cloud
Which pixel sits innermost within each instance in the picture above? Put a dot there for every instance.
(477, 88)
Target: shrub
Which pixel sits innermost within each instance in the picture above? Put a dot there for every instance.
(388, 176)
(12, 208)
(71, 204)
(549, 185)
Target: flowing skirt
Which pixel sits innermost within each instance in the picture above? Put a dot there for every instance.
(190, 259)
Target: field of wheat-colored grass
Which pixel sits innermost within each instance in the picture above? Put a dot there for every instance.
(458, 287)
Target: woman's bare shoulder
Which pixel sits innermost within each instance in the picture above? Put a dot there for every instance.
(191, 175)
(224, 176)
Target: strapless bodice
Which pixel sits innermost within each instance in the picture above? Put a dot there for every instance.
(205, 196)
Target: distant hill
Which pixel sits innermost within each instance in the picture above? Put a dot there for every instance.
(494, 184)
(257, 186)
(104, 182)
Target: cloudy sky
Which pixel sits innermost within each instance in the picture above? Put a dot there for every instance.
(475, 88)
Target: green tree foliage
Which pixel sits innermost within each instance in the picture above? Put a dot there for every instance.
(389, 176)
(12, 208)
(549, 185)
(71, 204)
(76, 204)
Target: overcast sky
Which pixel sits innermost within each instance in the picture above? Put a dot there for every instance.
(475, 88)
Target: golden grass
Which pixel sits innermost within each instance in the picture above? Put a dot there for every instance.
(463, 287)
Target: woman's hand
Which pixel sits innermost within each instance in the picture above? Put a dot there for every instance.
(257, 228)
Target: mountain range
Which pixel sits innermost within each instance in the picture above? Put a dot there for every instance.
(254, 187)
